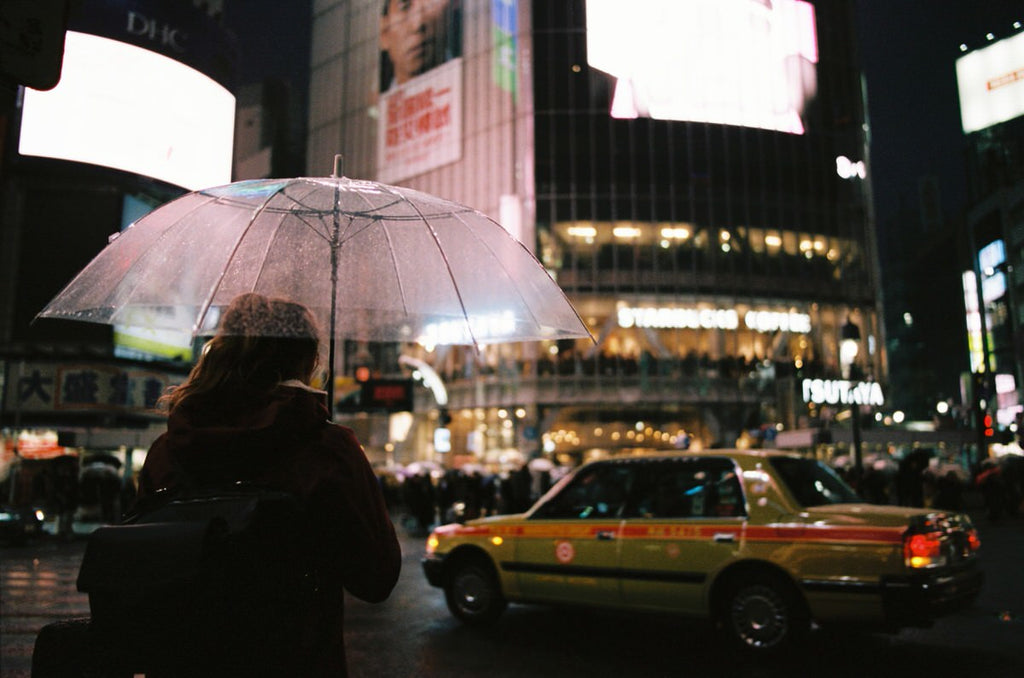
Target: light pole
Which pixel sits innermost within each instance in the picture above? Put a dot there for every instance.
(849, 347)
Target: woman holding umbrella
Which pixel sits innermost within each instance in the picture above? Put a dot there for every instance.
(247, 413)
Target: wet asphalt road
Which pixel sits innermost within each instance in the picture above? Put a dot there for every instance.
(412, 633)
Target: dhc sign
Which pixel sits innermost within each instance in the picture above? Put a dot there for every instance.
(842, 392)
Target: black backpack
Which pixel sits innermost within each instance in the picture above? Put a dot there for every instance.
(212, 578)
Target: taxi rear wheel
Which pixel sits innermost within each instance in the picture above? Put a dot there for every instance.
(762, 614)
(473, 594)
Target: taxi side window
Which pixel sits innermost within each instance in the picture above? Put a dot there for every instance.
(700, 488)
(729, 495)
(597, 493)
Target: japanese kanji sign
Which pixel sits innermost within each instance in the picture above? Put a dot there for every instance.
(49, 387)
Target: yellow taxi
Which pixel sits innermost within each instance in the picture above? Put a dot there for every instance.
(761, 543)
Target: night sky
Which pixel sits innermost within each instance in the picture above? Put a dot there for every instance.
(909, 52)
(274, 38)
(274, 43)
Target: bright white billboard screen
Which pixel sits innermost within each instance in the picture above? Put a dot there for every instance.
(991, 83)
(124, 107)
(732, 62)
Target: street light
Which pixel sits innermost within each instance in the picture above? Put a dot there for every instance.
(849, 346)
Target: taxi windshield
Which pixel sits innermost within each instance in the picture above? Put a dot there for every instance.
(812, 483)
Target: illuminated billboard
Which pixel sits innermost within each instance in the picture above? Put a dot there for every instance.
(991, 84)
(975, 345)
(991, 262)
(733, 62)
(131, 109)
(421, 124)
(420, 103)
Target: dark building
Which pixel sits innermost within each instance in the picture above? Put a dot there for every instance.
(922, 257)
(82, 158)
(992, 113)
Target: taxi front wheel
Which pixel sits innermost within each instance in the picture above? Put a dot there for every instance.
(473, 594)
(763, 614)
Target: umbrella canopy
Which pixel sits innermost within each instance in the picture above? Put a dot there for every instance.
(371, 261)
(375, 262)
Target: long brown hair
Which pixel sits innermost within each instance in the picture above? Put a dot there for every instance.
(261, 342)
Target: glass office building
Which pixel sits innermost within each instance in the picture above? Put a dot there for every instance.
(693, 173)
(992, 118)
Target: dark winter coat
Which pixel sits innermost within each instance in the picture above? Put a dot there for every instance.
(287, 442)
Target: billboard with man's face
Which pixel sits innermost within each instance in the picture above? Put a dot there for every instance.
(417, 36)
(421, 87)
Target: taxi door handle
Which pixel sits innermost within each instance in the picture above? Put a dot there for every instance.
(605, 535)
(724, 537)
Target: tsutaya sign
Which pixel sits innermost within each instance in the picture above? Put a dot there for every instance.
(842, 392)
(712, 319)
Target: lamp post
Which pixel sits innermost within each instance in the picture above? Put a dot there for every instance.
(849, 347)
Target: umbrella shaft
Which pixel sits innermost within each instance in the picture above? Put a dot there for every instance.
(335, 244)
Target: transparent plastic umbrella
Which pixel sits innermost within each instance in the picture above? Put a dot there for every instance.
(373, 262)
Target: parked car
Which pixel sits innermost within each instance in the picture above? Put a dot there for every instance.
(761, 543)
(18, 524)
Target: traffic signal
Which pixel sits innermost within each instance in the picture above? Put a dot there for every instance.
(986, 426)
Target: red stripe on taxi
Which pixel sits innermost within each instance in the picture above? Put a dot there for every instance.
(816, 533)
(881, 535)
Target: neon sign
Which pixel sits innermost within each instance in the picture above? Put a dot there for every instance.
(479, 328)
(712, 319)
(842, 392)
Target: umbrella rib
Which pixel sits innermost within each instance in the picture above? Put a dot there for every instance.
(319, 213)
(270, 243)
(498, 259)
(373, 216)
(205, 308)
(508, 274)
(451, 274)
(370, 216)
(150, 248)
(398, 274)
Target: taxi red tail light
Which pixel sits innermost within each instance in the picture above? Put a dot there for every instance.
(924, 550)
(973, 541)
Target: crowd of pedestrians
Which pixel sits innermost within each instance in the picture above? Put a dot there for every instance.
(425, 495)
(605, 363)
(920, 478)
(73, 488)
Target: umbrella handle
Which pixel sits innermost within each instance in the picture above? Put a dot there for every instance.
(339, 165)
